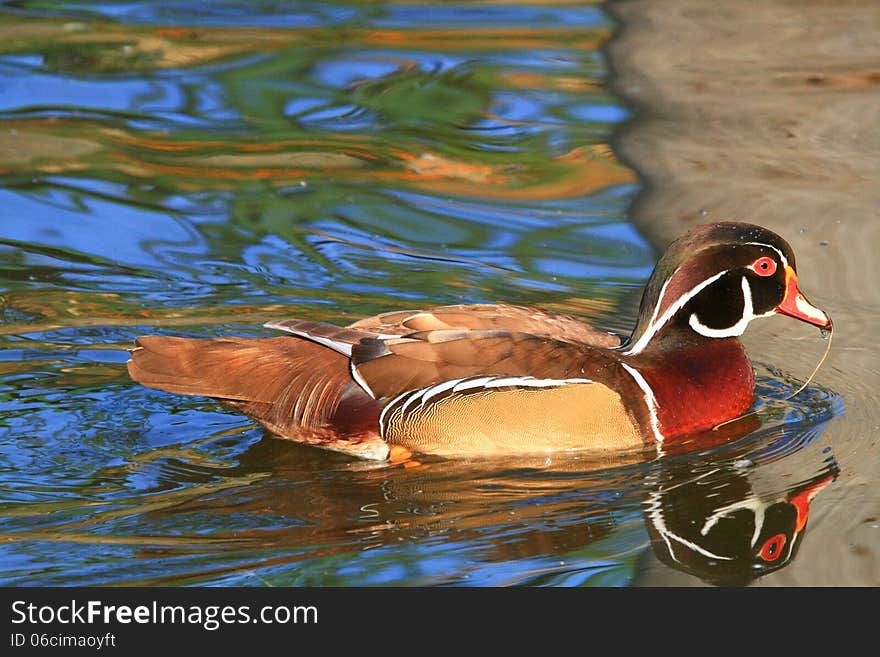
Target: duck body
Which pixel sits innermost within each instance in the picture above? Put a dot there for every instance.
(494, 379)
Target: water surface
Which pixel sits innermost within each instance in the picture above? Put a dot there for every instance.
(201, 169)
(744, 119)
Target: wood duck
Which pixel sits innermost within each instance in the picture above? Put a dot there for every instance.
(489, 379)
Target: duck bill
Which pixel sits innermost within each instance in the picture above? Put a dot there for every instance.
(801, 502)
(795, 304)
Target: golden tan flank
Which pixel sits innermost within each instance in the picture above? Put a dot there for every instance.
(516, 421)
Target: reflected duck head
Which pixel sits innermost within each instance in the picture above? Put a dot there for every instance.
(716, 527)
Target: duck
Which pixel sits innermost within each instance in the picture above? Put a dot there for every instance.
(505, 380)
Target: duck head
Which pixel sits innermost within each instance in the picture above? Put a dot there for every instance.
(716, 279)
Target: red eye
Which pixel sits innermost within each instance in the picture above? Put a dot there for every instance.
(765, 266)
(772, 548)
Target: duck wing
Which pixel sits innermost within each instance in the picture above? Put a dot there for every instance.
(388, 367)
(518, 319)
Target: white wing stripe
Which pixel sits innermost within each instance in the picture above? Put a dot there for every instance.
(467, 384)
(360, 380)
(343, 348)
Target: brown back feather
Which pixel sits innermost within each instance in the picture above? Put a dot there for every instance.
(392, 367)
(502, 317)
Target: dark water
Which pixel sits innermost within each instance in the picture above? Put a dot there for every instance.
(201, 168)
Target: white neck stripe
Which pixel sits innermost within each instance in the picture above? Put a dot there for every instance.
(656, 324)
(650, 401)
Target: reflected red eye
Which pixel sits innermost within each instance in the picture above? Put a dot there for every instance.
(772, 548)
(765, 266)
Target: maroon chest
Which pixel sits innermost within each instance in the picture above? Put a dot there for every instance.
(696, 388)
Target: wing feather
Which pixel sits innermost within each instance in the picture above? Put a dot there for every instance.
(502, 317)
(418, 361)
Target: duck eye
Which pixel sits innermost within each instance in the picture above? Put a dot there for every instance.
(765, 266)
(772, 548)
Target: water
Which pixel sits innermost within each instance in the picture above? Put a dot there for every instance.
(201, 169)
(781, 131)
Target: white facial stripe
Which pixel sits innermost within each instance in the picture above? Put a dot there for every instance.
(752, 503)
(693, 546)
(656, 324)
(782, 258)
(794, 539)
(650, 401)
(731, 331)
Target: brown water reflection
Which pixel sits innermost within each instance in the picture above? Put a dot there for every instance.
(768, 112)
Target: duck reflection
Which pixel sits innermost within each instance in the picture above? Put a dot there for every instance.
(729, 523)
(726, 514)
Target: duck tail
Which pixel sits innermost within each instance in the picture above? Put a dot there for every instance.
(296, 388)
